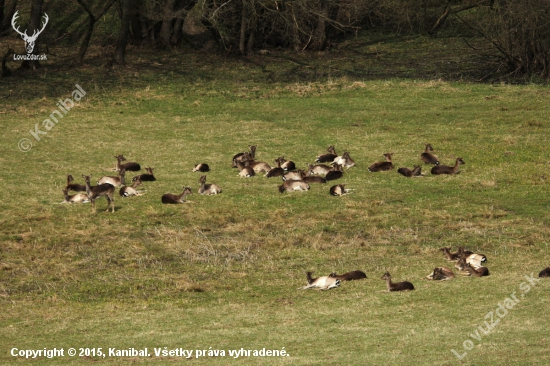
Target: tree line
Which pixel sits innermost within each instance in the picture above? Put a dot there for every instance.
(518, 29)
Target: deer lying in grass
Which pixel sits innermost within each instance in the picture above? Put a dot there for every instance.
(400, 286)
(474, 259)
(338, 190)
(95, 192)
(345, 160)
(208, 189)
(131, 166)
(258, 166)
(202, 167)
(319, 169)
(293, 185)
(73, 186)
(277, 171)
(545, 272)
(382, 166)
(444, 169)
(454, 256)
(287, 165)
(170, 198)
(114, 181)
(75, 198)
(327, 158)
(244, 171)
(428, 157)
(335, 173)
(349, 276)
(415, 172)
(323, 283)
(441, 274)
(477, 272)
(149, 177)
(131, 191)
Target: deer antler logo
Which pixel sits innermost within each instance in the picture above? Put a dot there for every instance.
(29, 41)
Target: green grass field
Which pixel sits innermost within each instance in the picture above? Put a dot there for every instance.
(223, 272)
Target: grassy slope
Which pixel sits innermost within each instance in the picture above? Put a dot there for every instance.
(223, 271)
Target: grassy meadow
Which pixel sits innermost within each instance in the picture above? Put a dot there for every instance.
(224, 271)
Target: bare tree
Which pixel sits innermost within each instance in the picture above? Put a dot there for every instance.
(122, 42)
(92, 19)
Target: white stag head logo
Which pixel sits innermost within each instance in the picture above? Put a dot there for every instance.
(29, 41)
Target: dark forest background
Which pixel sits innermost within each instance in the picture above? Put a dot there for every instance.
(517, 31)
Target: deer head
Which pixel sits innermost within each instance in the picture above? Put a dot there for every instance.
(29, 41)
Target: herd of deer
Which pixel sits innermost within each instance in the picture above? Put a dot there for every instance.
(293, 179)
(467, 261)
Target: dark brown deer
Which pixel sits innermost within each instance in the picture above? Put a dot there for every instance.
(277, 171)
(95, 192)
(336, 173)
(400, 286)
(545, 272)
(382, 166)
(349, 276)
(445, 169)
(170, 198)
(73, 186)
(149, 177)
(131, 166)
(202, 167)
(327, 158)
(428, 157)
(416, 171)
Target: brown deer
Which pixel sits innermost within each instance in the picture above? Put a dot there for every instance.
(545, 272)
(338, 190)
(477, 272)
(445, 169)
(277, 171)
(114, 181)
(75, 198)
(415, 172)
(327, 158)
(428, 157)
(95, 192)
(454, 256)
(149, 177)
(130, 191)
(349, 276)
(336, 173)
(441, 274)
(319, 169)
(202, 167)
(131, 166)
(170, 198)
(73, 186)
(293, 185)
(208, 189)
(400, 286)
(382, 166)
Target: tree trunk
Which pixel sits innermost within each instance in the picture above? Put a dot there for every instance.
(176, 32)
(120, 51)
(252, 27)
(91, 23)
(6, 19)
(166, 27)
(194, 31)
(2, 4)
(319, 35)
(244, 25)
(135, 24)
